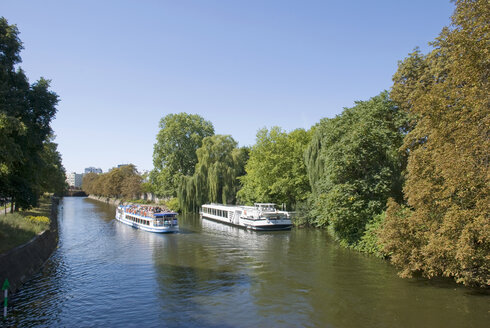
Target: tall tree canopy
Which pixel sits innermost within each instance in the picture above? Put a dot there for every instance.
(174, 153)
(354, 165)
(215, 179)
(276, 170)
(445, 231)
(26, 112)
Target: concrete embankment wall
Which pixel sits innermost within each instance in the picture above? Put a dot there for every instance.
(19, 264)
(113, 201)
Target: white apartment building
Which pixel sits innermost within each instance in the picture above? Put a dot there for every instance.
(74, 179)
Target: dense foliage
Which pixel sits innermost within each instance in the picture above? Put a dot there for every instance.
(276, 171)
(354, 166)
(174, 154)
(122, 182)
(215, 179)
(29, 161)
(445, 228)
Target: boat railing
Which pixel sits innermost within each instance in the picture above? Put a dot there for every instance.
(166, 223)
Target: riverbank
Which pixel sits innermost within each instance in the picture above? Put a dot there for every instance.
(24, 249)
(19, 227)
(119, 201)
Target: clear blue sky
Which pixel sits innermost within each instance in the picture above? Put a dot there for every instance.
(120, 66)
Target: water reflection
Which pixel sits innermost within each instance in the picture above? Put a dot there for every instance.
(106, 273)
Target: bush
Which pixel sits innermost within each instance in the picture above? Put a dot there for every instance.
(140, 201)
(172, 204)
(38, 219)
(370, 242)
(303, 215)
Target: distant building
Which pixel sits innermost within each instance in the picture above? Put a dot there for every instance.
(74, 179)
(121, 165)
(93, 170)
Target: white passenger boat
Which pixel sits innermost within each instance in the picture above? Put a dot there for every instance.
(261, 216)
(148, 218)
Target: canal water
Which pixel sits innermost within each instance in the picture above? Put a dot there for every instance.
(107, 274)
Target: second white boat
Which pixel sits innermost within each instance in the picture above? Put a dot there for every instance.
(260, 217)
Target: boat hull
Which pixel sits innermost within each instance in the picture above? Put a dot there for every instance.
(270, 227)
(254, 227)
(162, 229)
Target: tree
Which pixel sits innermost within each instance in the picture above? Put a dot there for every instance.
(121, 182)
(25, 177)
(53, 174)
(89, 183)
(174, 153)
(446, 217)
(215, 179)
(275, 171)
(131, 186)
(354, 165)
(10, 150)
(26, 112)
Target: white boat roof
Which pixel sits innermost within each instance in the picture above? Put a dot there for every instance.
(232, 207)
(221, 205)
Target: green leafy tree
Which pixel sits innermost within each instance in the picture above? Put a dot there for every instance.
(26, 112)
(25, 177)
(53, 175)
(354, 165)
(174, 153)
(275, 171)
(10, 150)
(215, 179)
(444, 229)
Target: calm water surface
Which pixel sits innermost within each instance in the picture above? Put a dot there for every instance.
(107, 274)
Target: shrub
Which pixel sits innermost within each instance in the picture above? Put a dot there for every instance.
(172, 204)
(38, 219)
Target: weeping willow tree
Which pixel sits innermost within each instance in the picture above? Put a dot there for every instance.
(312, 155)
(215, 178)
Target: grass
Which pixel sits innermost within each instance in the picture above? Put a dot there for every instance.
(20, 227)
